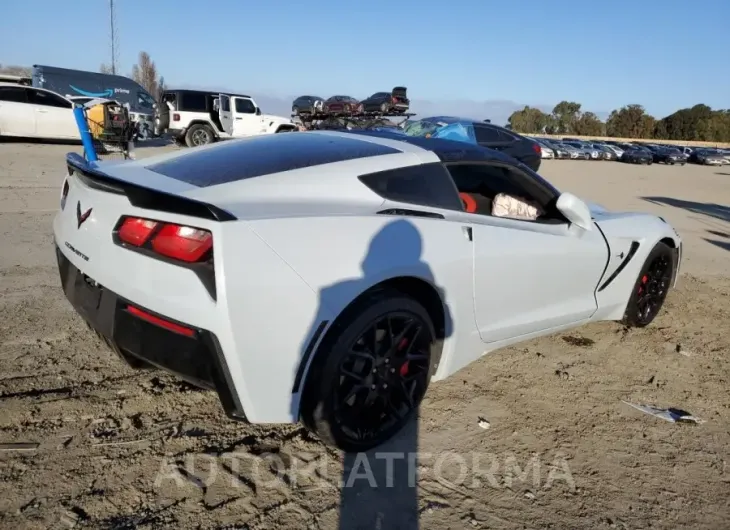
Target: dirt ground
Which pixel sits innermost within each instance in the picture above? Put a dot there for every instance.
(86, 442)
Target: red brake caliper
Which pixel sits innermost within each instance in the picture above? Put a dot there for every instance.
(644, 279)
(404, 367)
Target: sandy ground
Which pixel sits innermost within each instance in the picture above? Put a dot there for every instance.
(87, 442)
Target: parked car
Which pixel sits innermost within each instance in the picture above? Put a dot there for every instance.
(584, 152)
(559, 149)
(393, 102)
(707, 157)
(200, 254)
(547, 150)
(637, 155)
(30, 112)
(307, 105)
(573, 152)
(615, 149)
(342, 105)
(524, 149)
(667, 155)
(604, 152)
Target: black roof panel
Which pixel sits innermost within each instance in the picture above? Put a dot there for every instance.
(235, 160)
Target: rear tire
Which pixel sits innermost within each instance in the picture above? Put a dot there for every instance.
(199, 135)
(651, 287)
(398, 367)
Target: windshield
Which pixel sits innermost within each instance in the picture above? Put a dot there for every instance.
(145, 100)
(421, 128)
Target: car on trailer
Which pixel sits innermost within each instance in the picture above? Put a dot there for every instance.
(393, 102)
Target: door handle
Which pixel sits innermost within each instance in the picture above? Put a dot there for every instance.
(41, 110)
(239, 118)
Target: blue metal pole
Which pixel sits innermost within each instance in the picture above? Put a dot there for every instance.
(86, 138)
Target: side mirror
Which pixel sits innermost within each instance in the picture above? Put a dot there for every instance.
(258, 111)
(575, 210)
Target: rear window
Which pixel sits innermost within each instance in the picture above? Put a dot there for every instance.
(425, 185)
(14, 94)
(193, 102)
(236, 160)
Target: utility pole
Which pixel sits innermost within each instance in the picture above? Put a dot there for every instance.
(112, 24)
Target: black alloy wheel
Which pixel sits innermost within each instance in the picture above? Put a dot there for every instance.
(371, 373)
(651, 287)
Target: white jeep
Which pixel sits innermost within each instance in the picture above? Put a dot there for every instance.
(195, 117)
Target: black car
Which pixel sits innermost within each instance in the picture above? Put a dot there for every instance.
(489, 135)
(307, 105)
(668, 155)
(393, 102)
(517, 146)
(637, 155)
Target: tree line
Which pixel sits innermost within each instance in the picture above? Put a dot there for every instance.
(144, 72)
(698, 123)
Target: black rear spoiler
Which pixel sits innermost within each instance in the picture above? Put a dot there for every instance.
(140, 196)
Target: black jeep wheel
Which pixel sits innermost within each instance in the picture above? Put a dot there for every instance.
(651, 287)
(371, 372)
(198, 135)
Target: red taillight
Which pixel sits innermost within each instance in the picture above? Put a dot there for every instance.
(176, 117)
(536, 148)
(152, 319)
(135, 231)
(183, 243)
(64, 193)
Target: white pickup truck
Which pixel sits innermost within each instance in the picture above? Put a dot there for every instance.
(196, 117)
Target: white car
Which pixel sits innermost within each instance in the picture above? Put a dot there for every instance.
(30, 112)
(546, 152)
(328, 276)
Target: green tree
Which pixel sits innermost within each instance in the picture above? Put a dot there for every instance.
(565, 116)
(529, 120)
(588, 124)
(630, 121)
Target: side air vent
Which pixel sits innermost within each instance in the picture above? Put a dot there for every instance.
(411, 213)
(627, 259)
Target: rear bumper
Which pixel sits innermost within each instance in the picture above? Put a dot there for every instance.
(144, 339)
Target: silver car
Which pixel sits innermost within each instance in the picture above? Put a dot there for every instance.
(585, 152)
(710, 157)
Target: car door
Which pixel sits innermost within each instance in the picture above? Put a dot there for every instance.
(245, 120)
(224, 113)
(529, 276)
(17, 116)
(54, 115)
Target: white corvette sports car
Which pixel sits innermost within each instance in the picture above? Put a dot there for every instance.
(327, 277)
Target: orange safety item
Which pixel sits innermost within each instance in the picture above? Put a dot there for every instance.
(470, 205)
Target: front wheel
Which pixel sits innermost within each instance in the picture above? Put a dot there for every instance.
(651, 287)
(371, 372)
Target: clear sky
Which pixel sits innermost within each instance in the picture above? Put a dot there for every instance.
(663, 54)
